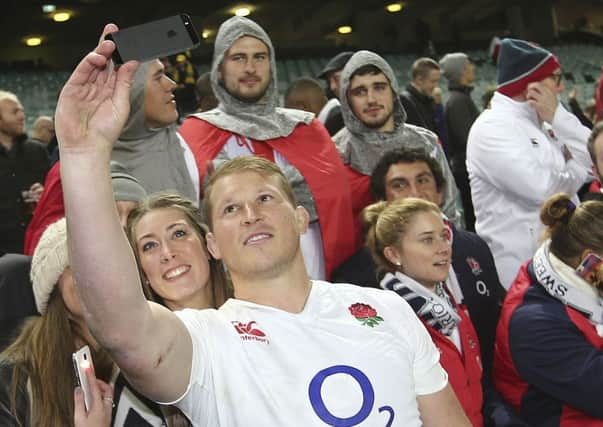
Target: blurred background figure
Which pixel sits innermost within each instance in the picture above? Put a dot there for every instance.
(43, 131)
(460, 112)
(330, 115)
(305, 94)
(185, 75)
(23, 166)
(585, 116)
(206, 100)
(417, 97)
(440, 117)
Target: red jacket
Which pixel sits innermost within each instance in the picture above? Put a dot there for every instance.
(558, 352)
(361, 194)
(464, 370)
(594, 187)
(50, 208)
(310, 149)
(599, 99)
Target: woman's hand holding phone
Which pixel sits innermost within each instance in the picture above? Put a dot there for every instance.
(101, 403)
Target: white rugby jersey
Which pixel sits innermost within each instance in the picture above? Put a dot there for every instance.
(353, 356)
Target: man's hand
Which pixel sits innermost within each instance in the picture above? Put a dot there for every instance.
(35, 192)
(94, 103)
(573, 94)
(543, 100)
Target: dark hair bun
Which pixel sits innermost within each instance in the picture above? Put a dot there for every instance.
(556, 210)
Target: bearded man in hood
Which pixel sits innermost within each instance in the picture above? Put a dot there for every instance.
(375, 124)
(247, 121)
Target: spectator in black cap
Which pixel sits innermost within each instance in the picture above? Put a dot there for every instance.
(330, 114)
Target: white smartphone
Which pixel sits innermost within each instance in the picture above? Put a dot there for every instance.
(82, 360)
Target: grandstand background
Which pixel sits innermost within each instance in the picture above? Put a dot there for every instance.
(305, 36)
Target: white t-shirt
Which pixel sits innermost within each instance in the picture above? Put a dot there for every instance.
(326, 109)
(256, 365)
(311, 240)
(191, 166)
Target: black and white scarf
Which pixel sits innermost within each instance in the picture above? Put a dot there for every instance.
(563, 290)
(435, 309)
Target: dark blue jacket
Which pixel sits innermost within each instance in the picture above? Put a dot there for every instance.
(549, 358)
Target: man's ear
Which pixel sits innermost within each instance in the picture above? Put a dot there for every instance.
(439, 200)
(302, 219)
(212, 245)
(221, 68)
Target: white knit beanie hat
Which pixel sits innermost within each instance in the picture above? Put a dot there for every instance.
(50, 259)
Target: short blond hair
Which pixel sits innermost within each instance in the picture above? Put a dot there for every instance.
(4, 95)
(263, 167)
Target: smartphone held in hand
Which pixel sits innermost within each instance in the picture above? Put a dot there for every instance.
(82, 361)
(154, 39)
(589, 266)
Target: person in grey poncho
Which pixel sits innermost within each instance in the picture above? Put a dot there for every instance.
(375, 123)
(149, 146)
(248, 121)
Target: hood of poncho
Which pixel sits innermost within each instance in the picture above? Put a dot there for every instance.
(153, 156)
(260, 120)
(358, 60)
(359, 145)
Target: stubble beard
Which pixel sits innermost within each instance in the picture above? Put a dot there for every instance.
(249, 99)
(380, 123)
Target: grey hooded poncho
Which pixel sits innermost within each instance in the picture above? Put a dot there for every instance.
(153, 156)
(261, 120)
(361, 147)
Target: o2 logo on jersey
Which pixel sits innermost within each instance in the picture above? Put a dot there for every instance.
(368, 398)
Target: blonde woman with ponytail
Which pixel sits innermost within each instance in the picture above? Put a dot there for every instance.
(549, 345)
(411, 244)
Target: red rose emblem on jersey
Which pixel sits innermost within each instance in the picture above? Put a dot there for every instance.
(365, 314)
(362, 311)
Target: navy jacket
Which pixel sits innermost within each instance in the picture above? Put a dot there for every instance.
(549, 358)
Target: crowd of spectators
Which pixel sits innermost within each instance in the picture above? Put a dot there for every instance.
(364, 254)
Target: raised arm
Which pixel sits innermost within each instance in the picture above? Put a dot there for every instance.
(147, 341)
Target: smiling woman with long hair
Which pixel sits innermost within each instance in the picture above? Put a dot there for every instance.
(168, 237)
